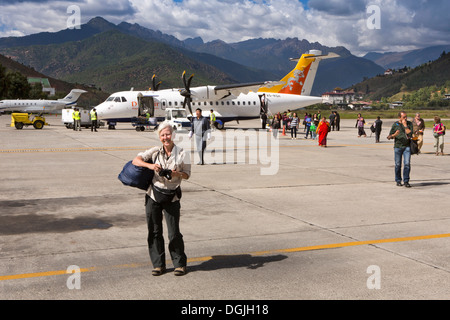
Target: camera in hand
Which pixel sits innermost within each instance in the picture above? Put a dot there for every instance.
(166, 173)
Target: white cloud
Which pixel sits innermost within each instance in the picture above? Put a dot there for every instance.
(404, 24)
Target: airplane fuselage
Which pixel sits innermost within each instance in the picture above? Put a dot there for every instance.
(30, 105)
(41, 106)
(123, 106)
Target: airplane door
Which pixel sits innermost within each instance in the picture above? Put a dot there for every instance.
(263, 104)
(263, 110)
(146, 104)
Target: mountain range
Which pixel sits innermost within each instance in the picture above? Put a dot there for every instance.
(411, 58)
(117, 57)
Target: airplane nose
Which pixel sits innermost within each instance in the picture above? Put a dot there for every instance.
(99, 110)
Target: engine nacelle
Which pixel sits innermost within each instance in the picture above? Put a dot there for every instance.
(204, 93)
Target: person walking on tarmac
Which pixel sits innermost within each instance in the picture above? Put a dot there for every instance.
(402, 131)
(76, 119)
(212, 119)
(200, 127)
(93, 120)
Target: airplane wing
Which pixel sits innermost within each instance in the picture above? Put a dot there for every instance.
(244, 88)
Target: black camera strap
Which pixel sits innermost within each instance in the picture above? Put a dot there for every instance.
(165, 195)
(164, 166)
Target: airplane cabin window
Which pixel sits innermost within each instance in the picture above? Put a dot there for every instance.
(170, 103)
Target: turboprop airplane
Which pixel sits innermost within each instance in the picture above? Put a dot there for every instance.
(229, 102)
(41, 106)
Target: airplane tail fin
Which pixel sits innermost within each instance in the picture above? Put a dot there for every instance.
(300, 80)
(72, 97)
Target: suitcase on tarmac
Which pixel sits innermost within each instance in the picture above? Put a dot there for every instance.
(137, 177)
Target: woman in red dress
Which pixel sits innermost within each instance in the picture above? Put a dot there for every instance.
(322, 131)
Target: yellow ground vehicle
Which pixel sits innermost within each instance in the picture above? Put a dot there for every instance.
(19, 120)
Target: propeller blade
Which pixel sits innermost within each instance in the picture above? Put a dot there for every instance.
(189, 106)
(189, 83)
(187, 102)
(155, 86)
(183, 76)
(186, 92)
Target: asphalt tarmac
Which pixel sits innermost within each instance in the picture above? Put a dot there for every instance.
(269, 220)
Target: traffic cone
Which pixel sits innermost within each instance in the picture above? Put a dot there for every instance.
(284, 131)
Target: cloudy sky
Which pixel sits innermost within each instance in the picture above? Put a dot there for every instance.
(359, 25)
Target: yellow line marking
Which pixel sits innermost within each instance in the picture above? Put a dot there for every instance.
(257, 253)
(86, 149)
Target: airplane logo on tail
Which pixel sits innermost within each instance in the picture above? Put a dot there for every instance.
(295, 82)
(300, 80)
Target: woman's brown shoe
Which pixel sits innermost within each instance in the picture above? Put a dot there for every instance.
(158, 271)
(181, 271)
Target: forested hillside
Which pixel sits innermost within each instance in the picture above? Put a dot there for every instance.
(435, 73)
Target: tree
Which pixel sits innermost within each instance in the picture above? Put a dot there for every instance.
(17, 86)
(2, 82)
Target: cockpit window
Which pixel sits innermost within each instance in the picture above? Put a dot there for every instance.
(110, 98)
(117, 99)
(179, 114)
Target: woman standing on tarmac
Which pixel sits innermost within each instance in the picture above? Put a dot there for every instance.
(322, 131)
(438, 134)
(360, 122)
(171, 165)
